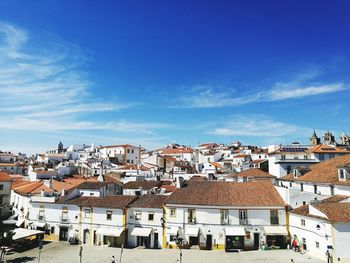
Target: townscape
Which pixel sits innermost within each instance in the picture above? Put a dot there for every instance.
(210, 197)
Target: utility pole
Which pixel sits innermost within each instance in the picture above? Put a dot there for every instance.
(121, 254)
(81, 254)
(40, 248)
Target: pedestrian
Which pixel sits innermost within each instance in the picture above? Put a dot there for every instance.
(113, 259)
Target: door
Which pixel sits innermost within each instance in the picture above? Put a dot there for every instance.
(63, 234)
(209, 241)
(86, 236)
(256, 240)
(155, 240)
(194, 241)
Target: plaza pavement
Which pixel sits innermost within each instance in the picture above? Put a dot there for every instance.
(59, 252)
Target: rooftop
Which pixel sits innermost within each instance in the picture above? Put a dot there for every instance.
(213, 193)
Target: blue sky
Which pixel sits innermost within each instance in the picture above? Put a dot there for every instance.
(158, 72)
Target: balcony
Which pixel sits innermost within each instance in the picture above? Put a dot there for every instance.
(64, 219)
(243, 222)
(41, 218)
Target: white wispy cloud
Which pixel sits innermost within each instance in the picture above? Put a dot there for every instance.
(44, 88)
(301, 86)
(256, 126)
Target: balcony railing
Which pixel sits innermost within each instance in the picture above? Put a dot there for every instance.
(243, 221)
(41, 218)
(64, 219)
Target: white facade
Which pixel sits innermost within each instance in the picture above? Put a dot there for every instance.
(208, 222)
(150, 220)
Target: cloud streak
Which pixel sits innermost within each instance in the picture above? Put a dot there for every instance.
(300, 87)
(256, 126)
(43, 87)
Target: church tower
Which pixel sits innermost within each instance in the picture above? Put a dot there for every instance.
(60, 147)
(344, 139)
(328, 138)
(314, 140)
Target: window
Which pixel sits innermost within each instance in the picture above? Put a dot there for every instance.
(127, 161)
(192, 216)
(274, 217)
(342, 175)
(224, 217)
(41, 212)
(317, 245)
(247, 234)
(301, 187)
(137, 215)
(306, 157)
(91, 194)
(1, 187)
(302, 222)
(332, 189)
(1, 199)
(128, 150)
(315, 189)
(109, 215)
(87, 213)
(243, 217)
(64, 214)
(132, 151)
(150, 216)
(321, 157)
(283, 157)
(172, 212)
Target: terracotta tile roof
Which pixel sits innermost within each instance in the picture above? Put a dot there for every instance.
(59, 186)
(26, 187)
(322, 148)
(260, 161)
(213, 193)
(177, 151)
(42, 187)
(216, 164)
(92, 185)
(169, 188)
(332, 207)
(150, 201)
(253, 172)
(145, 185)
(240, 156)
(324, 172)
(113, 201)
(170, 159)
(4, 177)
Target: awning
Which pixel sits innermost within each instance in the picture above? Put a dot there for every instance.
(234, 231)
(20, 222)
(114, 232)
(141, 232)
(23, 233)
(275, 230)
(192, 231)
(39, 224)
(173, 230)
(9, 222)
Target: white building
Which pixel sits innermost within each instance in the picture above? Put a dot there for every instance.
(318, 181)
(225, 215)
(322, 228)
(126, 154)
(146, 221)
(5, 194)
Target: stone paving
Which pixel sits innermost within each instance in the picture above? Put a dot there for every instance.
(59, 252)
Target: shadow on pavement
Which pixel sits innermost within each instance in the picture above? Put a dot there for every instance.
(21, 259)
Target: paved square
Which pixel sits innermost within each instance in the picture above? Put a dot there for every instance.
(59, 252)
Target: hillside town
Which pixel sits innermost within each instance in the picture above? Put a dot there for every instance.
(228, 197)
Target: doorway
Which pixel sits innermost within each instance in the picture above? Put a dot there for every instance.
(256, 240)
(63, 236)
(209, 241)
(86, 237)
(155, 245)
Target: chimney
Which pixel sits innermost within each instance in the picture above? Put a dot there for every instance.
(179, 181)
(63, 192)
